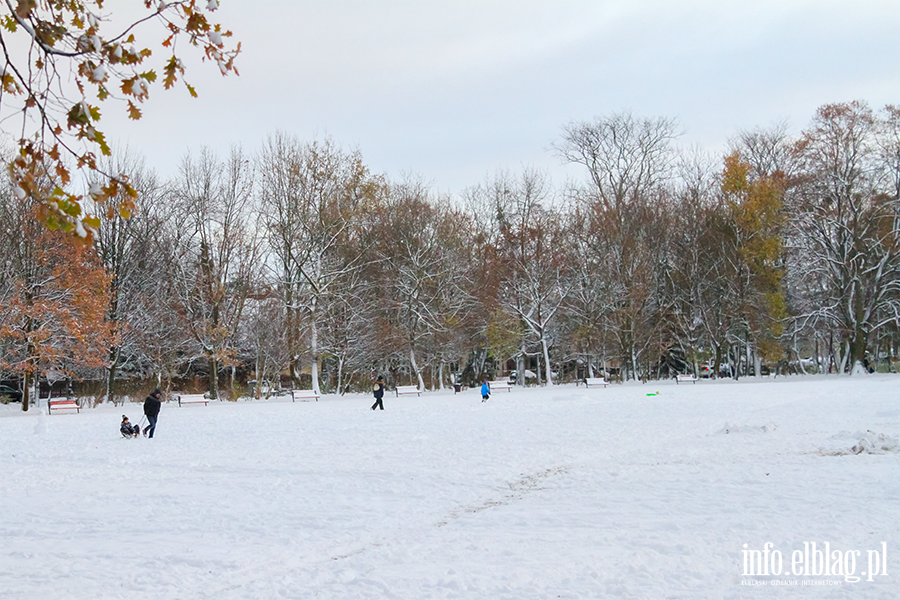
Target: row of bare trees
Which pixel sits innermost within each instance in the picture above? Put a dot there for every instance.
(784, 252)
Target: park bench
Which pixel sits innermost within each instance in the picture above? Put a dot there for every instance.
(500, 385)
(192, 399)
(304, 395)
(62, 404)
(685, 379)
(595, 381)
(402, 390)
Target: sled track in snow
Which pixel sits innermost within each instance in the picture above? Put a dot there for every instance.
(518, 489)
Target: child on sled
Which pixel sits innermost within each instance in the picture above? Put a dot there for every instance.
(128, 430)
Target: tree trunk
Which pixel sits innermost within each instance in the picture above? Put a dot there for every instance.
(717, 363)
(818, 357)
(415, 368)
(111, 375)
(547, 361)
(736, 351)
(258, 372)
(858, 347)
(846, 355)
(314, 350)
(520, 367)
(213, 378)
(26, 390)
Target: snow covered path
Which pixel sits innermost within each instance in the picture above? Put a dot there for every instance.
(539, 493)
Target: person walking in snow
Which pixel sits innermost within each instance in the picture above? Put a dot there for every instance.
(151, 409)
(378, 391)
(485, 390)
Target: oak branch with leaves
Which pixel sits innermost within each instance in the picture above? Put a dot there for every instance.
(61, 60)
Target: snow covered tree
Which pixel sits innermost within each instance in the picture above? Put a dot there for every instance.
(347, 337)
(628, 162)
(846, 228)
(262, 329)
(313, 196)
(128, 250)
(61, 61)
(692, 253)
(423, 291)
(219, 252)
(536, 267)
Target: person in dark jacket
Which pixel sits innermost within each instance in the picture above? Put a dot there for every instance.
(151, 409)
(378, 391)
(128, 430)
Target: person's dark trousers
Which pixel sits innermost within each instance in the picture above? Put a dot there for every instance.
(378, 404)
(151, 427)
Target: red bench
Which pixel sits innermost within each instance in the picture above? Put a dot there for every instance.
(62, 404)
(402, 390)
(304, 395)
(500, 384)
(192, 399)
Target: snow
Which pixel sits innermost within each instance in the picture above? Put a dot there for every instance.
(99, 74)
(559, 492)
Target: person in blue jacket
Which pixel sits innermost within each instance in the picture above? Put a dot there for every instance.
(485, 390)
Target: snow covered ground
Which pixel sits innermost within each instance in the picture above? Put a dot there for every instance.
(539, 493)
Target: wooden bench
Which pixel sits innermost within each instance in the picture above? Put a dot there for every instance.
(685, 379)
(62, 404)
(304, 395)
(500, 385)
(192, 399)
(589, 381)
(402, 390)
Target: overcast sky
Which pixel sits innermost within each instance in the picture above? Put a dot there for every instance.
(453, 90)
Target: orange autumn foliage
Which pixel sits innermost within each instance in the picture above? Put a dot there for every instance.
(55, 316)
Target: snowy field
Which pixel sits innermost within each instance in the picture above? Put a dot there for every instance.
(542, 493)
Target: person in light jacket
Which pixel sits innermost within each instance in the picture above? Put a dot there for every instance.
(485, 390)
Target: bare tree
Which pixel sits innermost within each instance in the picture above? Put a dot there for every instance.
(626, 157)
(423, 292)
(536, 276)
(219, 252)
(628, 163)
(128, 251)
(312, 197)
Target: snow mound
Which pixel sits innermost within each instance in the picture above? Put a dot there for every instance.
(867, 442)
(859, 369)
(872, 443)
(42, 426)
(735, 428)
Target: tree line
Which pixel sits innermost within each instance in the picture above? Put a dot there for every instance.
(784, 253)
